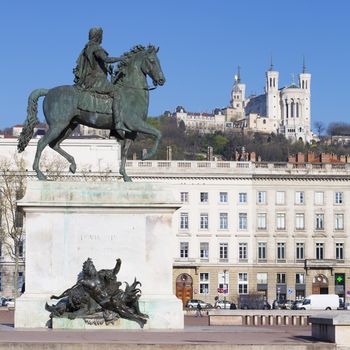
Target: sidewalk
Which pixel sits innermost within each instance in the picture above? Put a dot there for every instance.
(196, 332)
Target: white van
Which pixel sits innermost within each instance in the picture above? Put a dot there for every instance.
(320, 302)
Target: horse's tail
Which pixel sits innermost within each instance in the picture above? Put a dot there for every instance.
(32, 119)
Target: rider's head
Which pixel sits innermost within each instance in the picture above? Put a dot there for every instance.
(95, 34)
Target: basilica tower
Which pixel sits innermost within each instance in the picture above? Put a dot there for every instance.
(272, 94)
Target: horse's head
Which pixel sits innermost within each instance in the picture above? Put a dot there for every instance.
(143, 59)
(151, 66)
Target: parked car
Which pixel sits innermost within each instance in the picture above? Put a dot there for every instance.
(285, 304)
(253, 301)
(297, 304)
(2, 300)
(222, 304)
(10, 302)
(192, 304)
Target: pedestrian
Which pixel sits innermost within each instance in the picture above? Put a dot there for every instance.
(198, 311)
(233, 306)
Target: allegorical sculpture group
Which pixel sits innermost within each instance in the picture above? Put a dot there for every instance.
(102, 97)
(98, 295)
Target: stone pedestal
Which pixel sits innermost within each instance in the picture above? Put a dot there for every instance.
(334, 328)
(67, 222)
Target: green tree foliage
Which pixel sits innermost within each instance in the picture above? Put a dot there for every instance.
(193, 145)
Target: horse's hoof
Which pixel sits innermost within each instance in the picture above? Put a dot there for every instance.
(127, 178)
(73, 168)
(41, 176)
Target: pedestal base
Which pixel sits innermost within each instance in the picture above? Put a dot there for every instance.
(68, 222)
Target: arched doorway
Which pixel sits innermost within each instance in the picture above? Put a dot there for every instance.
(184, 287)
(320, 284)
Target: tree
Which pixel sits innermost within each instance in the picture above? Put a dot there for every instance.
(320, 128)
(12, 188)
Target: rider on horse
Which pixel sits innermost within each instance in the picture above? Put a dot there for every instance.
(91, 73)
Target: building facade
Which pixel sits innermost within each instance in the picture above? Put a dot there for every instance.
(280, 230)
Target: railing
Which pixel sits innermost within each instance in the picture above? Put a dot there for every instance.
(244, 167)
(259, 317)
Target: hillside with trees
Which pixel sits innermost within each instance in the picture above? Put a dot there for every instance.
(192, 145)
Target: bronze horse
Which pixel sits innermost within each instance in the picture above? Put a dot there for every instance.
(62, 111)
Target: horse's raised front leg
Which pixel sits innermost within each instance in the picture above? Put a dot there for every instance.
(50, 136)
(148, 129)
(125, 145)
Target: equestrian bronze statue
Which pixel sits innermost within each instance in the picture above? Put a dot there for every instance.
(102, 97)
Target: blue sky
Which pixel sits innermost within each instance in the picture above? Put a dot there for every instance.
(201, 43)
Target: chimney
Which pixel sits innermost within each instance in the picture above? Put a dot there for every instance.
(325, 157)
(144, 153)
(169, 153)
(210, 154)
(311, 157)
(300, 157)
(252, 157)
(291, 159)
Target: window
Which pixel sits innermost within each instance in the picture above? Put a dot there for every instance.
(184, 221)
(0, 281)
(183, 249)
(319, 198)
(339, 222)
(280, 197)
(300, 278)
(204, 221)
(223, 197)
(281, 221)
(338, 197)
(223, 221)
(242, 197)
(281, 251)
(243, 221)
(261, 197)
(319, 221)
(1, 250)
(223, 251)
(18, 218)
(319, 251)
(261, 221)
(300, 251)
(20, 280)
(281, 278)
(242, 283)
(243, 251)
(299, 221)
(261, 277)
(184, 197)
(20, 249)
(204, 283)
(204, 197)
(204, 250)
(262, 250)
(339, 251)
(299, 197)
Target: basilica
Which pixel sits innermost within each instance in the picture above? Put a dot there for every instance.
(281, 110)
